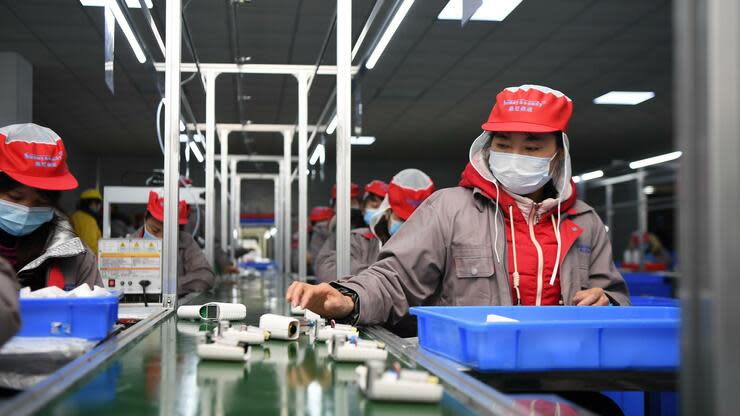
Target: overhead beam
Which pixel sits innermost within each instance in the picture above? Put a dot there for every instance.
(264, 69)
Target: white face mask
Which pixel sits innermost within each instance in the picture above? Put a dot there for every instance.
(518, 173)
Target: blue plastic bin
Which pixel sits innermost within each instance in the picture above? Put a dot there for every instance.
(553, 337)
(261, 266)
(648, 284)
(90, 318)
(654, 301)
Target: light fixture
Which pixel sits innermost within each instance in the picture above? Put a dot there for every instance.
(362, 140)
(489, 10)
(389, 32)
(122, 22)
(273, 231)
(267, 235)
(648, 190)
(196, 151)
(332, 125)
(588, 176)
(198, 138)
(624, 97)
(131, 4)
(319, 154)
(182, 126)
(184, 138)
(655, 160)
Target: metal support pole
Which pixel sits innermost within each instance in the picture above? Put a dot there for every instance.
(642, 217)
(278, 209)
(223, 134)
(609, 208)
(344, 124)
(302, 175)
(210, 225)
(233, 211)
(171, 152)
(287, 198)
(707, 104)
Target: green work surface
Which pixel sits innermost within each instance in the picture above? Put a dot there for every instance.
(161, 374)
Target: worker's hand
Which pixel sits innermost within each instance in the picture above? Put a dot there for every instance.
(591, 297)
(231, 269)
(321, 299)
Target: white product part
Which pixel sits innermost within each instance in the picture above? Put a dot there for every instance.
(351, 353)
(297, 311)
(326, 333)
(280, 327)
(491, 318)
(312, 316)
(378, 385)
(213, 311)
(251, 335)
(222, 352)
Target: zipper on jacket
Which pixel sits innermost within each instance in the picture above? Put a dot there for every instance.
(540, 258)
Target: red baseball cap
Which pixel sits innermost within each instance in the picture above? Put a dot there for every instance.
(35, 156)
(156, 208)
(321, 214)
(407, 190)
(530, 108)
(377, 188)
(354, 191)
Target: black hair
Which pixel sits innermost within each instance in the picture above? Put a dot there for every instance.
(31, 246)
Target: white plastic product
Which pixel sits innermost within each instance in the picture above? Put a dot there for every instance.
(311, 316)
(325, 333)
(222, 352)
(213, 311)
(297, 311)
(359, 351)
(250, 335)
(280, 327)
(377, 384)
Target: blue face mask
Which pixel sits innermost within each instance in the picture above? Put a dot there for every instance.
(369, 214)
(394, 226)
(148, 235)
(20, 220)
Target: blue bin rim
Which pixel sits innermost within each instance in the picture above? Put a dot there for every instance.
(564, 323)
(112, 298)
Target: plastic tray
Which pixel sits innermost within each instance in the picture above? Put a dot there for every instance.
(261, 266)
(654, 301)
(553, 338)
(90, 318)
(648, 284)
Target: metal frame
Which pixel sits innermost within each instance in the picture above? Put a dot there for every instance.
(275, 178)
(139, 195)
(344, 125)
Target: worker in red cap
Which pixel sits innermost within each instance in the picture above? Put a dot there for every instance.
(356, 219)
(512, 233)
(375, 192)
(319, 232)
(36, 239)
(194, 274)
(407, 190)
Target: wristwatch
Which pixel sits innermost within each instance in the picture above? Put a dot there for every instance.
(353, 317)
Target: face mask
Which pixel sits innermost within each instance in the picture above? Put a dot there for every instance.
(369, 214)
(148, 235)
(20, 220)
(520, 174)
(394, 226)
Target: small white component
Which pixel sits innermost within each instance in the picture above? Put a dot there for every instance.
(222, 352)
(297, 311)
(213, 311)
(377, 384)
(280, 327)
(250, 335)
(326, 333)
(311, 316)
(357, 351)
(491, 318)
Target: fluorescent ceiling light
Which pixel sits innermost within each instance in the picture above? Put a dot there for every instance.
(182, 126)
(199, 138)
(196, 152)
(489, 11)
(648, 190)
(184, 138)
(655, 160)
(132, 4)
(332, 125)
(362, 140)
(319, 154)
(588, 176)
(125, 27)
(624, 97)
(389, 32)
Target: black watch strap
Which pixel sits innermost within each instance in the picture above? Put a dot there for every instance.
(353, 317)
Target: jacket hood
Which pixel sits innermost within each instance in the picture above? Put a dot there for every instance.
(63, 242)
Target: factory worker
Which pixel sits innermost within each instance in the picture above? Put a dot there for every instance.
(10, 319)
(512, 232)
(356, 219)
(375, 193)
(320, 217)
(86, 220)
(35, 236)
(194, 274)
(408, 189)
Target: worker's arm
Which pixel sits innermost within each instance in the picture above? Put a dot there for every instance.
(325, 264)
(10, 320)
(84, 269)
(409, 270)
(198, 275)
(602, 272)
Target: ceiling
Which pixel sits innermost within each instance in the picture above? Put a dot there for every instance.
(426, 98)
